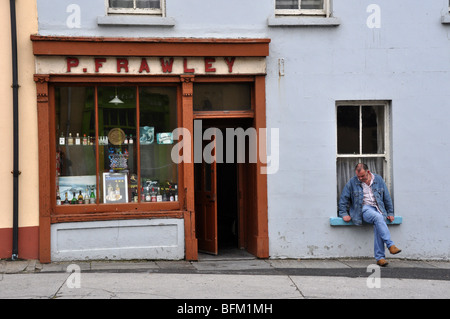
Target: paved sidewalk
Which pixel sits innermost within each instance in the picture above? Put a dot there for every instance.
(240, 264)
(226, 278)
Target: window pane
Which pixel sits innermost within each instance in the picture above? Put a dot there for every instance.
(348, 129)
(142, 4)
(121, 3)
(286, 4)
(373, 129)
(224, 96)
(157, 120)
(75, 149)
(312, 4)
(117, 150)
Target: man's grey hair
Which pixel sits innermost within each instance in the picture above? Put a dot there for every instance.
(361, 166)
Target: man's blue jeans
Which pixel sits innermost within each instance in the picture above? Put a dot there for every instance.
(382, 235)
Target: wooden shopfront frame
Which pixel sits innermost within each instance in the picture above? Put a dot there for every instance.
(53, 47)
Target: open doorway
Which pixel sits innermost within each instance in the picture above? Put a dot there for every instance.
(222, 197)
(227, 206)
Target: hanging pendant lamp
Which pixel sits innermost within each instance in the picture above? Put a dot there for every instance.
(116, 100)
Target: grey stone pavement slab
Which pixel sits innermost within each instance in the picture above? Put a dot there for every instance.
(181, 286)
(221, 278)
(357, 288)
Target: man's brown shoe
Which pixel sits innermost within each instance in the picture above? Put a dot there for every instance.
(394, 250)
(382, 262)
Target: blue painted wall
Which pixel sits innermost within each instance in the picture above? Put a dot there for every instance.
(405, 61)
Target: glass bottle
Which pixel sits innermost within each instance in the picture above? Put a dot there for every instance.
(159, 195)
(77, 139)
(66, 200)
(80, 198)
(74, 198)
(148, 197)
(86, 196)
(165, 198)
(85, 140)
(92, 197)
(62, 139)
(58, 198)
(70, 139)
(171, 195)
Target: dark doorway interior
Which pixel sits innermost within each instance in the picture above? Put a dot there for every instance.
(227, 206)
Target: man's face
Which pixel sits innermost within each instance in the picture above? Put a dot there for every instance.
(363, 176)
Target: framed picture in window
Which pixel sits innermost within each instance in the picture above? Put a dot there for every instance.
(72, 185)
(115, 188)
(146, 135)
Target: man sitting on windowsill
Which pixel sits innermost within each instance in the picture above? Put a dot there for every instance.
(368, 198)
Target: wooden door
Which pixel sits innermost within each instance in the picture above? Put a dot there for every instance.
(206, 203)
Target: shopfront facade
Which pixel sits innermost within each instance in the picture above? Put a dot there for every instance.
(117, 131)
(332, 83)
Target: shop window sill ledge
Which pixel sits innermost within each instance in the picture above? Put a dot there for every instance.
(445, 18)
(338, 221)
(303, 22)
(138, 21)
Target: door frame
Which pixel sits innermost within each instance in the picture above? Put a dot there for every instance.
(244, 185)
(255, 221)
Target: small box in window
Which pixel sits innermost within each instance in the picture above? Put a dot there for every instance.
(164, 138)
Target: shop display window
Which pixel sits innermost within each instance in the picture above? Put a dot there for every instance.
(114, 143)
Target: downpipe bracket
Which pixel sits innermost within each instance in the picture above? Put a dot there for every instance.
(16, 173)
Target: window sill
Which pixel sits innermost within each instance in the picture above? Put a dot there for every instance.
(135, 20)
(445, 19)
(303, 21)
(96, 216)
(338, 221)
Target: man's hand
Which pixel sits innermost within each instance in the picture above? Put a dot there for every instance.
(391, 218)
(346, 218)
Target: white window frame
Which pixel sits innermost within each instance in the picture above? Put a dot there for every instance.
(326, 11)
(147, 11)
(387, 169)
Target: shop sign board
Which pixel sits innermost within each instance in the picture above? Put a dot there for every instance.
(150, 65)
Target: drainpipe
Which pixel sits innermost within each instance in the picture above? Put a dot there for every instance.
(15, 172)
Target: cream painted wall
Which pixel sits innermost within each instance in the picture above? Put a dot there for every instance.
(26, 16)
